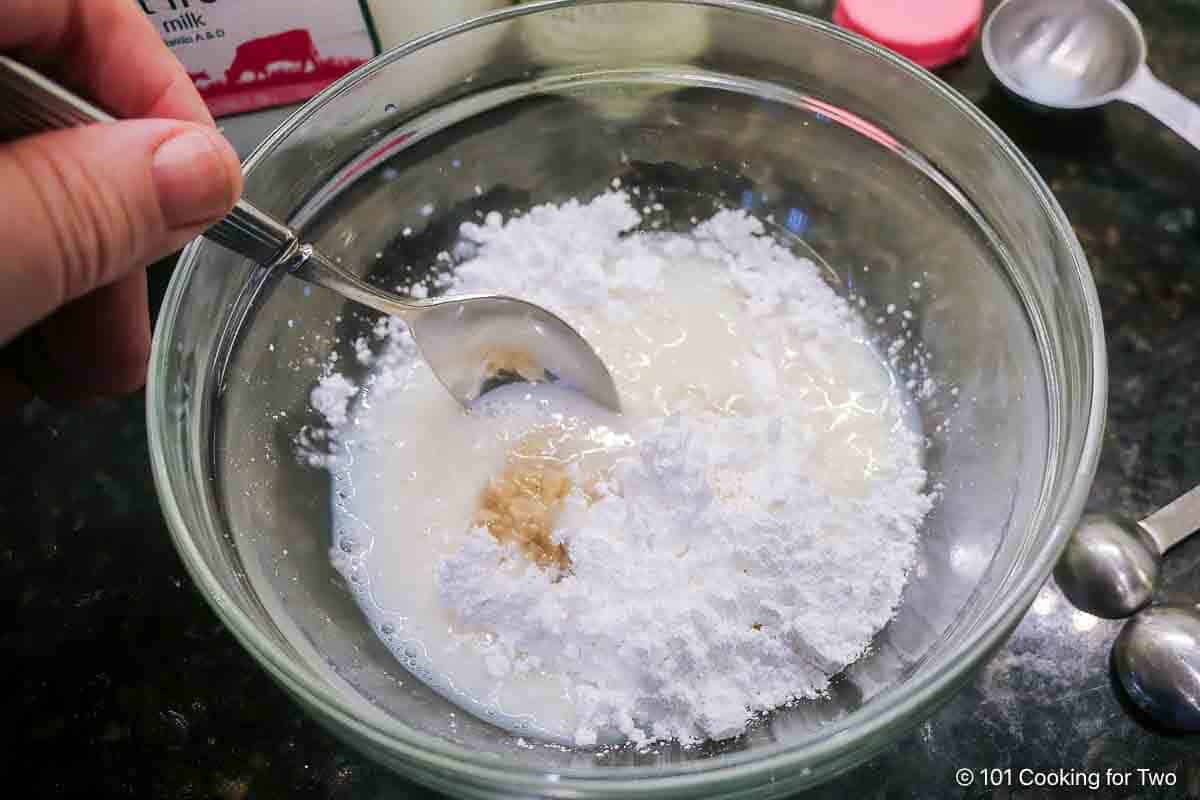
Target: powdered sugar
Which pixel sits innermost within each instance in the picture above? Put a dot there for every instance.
(331, 398)
(714, 576)
(735, 538)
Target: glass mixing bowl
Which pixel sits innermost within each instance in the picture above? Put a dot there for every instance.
(896, 183)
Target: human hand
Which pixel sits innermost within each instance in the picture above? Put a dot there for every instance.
(84, 211)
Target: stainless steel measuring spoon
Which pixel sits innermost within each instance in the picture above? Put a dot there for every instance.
(1074, 54)
(1157, 659)
(1111, 565)
(1110, 569)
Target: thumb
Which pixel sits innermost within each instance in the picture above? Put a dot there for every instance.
(82, 208)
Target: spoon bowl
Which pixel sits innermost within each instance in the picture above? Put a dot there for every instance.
(1074, 54)
(476, 343)
(1110, 567)
(1071, 54)
(1157, 659)
(1111, 564)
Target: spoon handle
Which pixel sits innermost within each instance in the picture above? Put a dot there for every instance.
(32, 103)
(1170, 107)
(1175, 521)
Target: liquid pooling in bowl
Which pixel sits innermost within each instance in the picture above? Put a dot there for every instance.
(728, 544)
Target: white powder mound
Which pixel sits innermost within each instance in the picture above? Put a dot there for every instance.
(690, 609)
(572, 257)
(723, 566)
(331, 398)
(556, 256)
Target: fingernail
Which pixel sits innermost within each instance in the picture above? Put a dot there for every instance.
(192, 178)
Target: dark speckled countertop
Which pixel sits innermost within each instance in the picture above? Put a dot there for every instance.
(118, 681)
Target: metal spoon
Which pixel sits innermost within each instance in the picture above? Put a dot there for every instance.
(473, 343)
(1157, 659)
(1111, 564)
(1080, 54)
(1110, 569)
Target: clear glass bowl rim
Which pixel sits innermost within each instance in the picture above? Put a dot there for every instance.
(760, 763)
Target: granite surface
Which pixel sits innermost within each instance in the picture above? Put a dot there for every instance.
(118, 681)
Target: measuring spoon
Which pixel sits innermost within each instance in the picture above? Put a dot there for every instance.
(1080, 54)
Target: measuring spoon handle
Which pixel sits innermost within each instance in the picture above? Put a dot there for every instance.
(1159, 100)
(1175, 521)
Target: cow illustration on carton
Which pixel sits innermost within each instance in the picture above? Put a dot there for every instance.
(258, 56)
(276, 69)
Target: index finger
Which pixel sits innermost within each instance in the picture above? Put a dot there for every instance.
(106, 49)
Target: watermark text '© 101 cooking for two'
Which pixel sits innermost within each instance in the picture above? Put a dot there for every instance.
(1064, 778)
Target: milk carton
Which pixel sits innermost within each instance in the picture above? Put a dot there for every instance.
(245, 56)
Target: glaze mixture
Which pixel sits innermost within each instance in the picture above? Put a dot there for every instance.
(727, 544)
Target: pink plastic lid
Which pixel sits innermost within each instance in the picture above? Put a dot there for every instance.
(930, 32)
